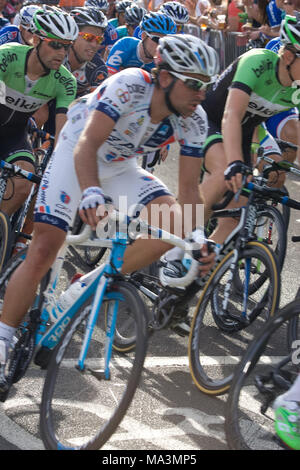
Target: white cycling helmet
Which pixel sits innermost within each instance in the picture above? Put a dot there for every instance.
(89, 16)
(103, 5)
(290, 31)
(26, 15)
(54, 23)
(176, 11)
(187, 54)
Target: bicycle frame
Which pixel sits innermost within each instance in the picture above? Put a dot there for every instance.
(48, 339)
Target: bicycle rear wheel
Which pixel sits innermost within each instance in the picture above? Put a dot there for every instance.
(219, 337)
(261, 376)
(82, 409)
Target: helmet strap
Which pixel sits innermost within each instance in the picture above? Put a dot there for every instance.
(167, 91)
(47, 70)
(288, 67)
(80, 61)
(146, 53)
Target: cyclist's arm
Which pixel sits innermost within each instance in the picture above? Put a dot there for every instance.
(189, 196)
(235, 109)
(60, 120)
(85, 157)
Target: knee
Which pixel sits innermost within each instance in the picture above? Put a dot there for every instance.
(22, 188)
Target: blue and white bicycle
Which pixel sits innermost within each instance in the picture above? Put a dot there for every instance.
(88, 386)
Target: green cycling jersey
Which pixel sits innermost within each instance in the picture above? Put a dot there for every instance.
(21, 97)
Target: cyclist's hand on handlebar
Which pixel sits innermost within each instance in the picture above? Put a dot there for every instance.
(90, 206)
(206, 261)
(234, 175)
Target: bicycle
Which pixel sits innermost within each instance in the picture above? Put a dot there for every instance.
(79, 343)
(267, 369)
(11, 227)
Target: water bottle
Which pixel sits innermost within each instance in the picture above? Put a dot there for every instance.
(73, 292)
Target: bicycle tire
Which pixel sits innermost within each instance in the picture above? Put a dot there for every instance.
(100, 409)
(5, 239)
(212, 334)
(88, 256)
(276, 240)
(250, 427)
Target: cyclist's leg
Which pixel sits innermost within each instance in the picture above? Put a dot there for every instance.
(285, 126)
(266, 140)
(143, 252)
(134, 190)
(42, 252)
(17, 150)
(57, 201)
(213, 188)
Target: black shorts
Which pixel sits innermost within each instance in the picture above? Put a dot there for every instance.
(214, 136)
(16, 147)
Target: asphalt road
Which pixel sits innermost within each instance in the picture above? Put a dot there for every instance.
(168, 412)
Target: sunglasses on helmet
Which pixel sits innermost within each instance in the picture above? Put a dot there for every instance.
(192, 83)
(89, 37)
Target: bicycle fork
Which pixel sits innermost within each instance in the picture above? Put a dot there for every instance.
(114, 266)
(233, 269)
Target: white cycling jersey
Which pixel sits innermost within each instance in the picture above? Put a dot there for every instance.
(126, 98)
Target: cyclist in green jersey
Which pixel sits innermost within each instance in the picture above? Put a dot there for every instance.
(256, 86)
(30, 77)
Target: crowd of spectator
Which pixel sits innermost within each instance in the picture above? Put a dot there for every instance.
(253, 19)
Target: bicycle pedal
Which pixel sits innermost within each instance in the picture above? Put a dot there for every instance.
(42, 357)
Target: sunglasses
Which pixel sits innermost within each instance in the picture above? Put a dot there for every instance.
(154, 38)
(89, 37)
(192, 83)
(179, 28)
(56, 45)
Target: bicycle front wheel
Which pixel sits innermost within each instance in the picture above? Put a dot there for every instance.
(81, 409)
(5, 239)
(220, 335)
(267, 370)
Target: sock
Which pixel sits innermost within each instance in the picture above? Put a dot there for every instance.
(293, 394)
(7, 332)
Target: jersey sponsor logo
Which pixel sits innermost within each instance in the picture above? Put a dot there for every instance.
(7, 59)
(135, 88)
(262, 68)
(263, 107)
(67, 82)
(21, 104)
(123, 95)
(2, 92)
(64, 197)
(115, 59)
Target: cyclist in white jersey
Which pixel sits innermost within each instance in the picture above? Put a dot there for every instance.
(129, 113)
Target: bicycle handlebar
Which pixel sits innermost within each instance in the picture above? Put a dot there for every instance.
(157, 233)
(17, 171)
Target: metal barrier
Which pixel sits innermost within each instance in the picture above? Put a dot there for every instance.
(228, 45)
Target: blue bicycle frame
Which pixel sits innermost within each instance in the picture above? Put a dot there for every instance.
(98, 287)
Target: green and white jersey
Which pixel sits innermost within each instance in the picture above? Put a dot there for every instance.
(20, 97)
(256, 73)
